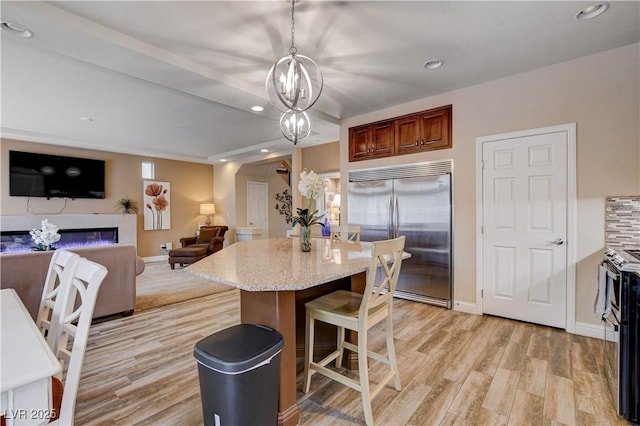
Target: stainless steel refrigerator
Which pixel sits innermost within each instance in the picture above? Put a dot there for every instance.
(414, 201)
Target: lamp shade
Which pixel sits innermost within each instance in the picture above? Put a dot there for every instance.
(336, 200)
(207, 209)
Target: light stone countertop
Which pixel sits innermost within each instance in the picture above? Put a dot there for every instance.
(278, 264)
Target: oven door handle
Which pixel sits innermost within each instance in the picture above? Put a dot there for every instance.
(611, 273)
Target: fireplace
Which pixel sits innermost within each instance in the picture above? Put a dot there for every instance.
(13, 241)
(78, 229)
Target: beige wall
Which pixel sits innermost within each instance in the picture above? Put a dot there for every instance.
(224, 188)
(241, 197)
(321, 158)
(191, 184)
(600, 93)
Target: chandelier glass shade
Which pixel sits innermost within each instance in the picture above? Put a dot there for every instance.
(295, 125)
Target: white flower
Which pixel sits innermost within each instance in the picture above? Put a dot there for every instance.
(46, 235)
(311, 184)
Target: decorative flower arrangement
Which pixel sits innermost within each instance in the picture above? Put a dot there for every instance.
(310, 185)
(45, 236)
(160, 203)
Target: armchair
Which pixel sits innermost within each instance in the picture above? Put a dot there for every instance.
(210, 238)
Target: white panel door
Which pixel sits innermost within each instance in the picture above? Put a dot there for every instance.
(524, 196)
(258, 206)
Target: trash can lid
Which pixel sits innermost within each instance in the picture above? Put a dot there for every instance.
(238, 348)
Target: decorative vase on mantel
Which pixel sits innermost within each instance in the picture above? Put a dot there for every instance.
(305, 238)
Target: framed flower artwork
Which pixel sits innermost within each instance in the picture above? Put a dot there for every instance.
(157, 205)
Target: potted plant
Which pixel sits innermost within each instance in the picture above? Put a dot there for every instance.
(127, 205)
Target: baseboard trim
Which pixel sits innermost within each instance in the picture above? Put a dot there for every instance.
(590, 330)
(160, 258)
(466, 307)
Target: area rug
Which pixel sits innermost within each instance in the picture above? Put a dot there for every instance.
(158, 285)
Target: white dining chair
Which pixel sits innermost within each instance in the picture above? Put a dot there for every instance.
(71, 320)
(359, 312)
(59, 260)
(346, 233)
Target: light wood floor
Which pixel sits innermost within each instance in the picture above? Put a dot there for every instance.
(456, 369)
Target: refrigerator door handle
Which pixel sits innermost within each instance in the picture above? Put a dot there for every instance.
(390, 218)
(396, 214)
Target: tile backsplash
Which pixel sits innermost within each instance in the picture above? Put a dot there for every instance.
(622, 222)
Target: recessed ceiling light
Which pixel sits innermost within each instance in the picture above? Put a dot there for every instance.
(16, 29)
(433, 64)
(264, 150)
(593, 10)
(257, 108)
(88, 119)
(223, 160)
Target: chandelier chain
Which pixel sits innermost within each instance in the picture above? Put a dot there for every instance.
(293, 50)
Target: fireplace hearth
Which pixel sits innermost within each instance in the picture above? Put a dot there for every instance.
(17, 241)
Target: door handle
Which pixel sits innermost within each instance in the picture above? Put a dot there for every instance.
(390, 218)
(557, 241)
(396, 211)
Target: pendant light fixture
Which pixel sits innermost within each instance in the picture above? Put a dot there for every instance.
(294, 82)
(295, 126)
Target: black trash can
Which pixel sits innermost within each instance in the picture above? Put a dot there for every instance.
(239, 369)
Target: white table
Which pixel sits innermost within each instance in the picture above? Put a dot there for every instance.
(26, 365)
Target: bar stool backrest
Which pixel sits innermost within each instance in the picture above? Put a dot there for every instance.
(346, 233)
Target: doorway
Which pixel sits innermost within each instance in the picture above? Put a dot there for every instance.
(526, 214)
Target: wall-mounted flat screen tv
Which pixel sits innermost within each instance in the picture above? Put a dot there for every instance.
(55, 176)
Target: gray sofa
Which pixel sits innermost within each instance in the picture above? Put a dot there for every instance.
(25, 272)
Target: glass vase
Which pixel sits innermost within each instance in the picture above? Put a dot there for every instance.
(305, 238)
(326, 229)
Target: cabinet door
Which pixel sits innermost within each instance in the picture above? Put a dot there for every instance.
(382, 140)
(359, 143)
(436, 129)
(407, 134)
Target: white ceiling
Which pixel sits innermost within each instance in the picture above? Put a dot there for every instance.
(176, 79)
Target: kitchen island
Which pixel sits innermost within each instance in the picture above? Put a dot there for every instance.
(276, 278)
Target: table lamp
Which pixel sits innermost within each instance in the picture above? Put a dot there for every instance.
(207, 210)
(335, 207)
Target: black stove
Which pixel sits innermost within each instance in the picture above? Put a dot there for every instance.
(624, 266)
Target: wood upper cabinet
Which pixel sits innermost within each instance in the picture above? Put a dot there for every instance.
(423, 131)
(359, 143)
(371, 141)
